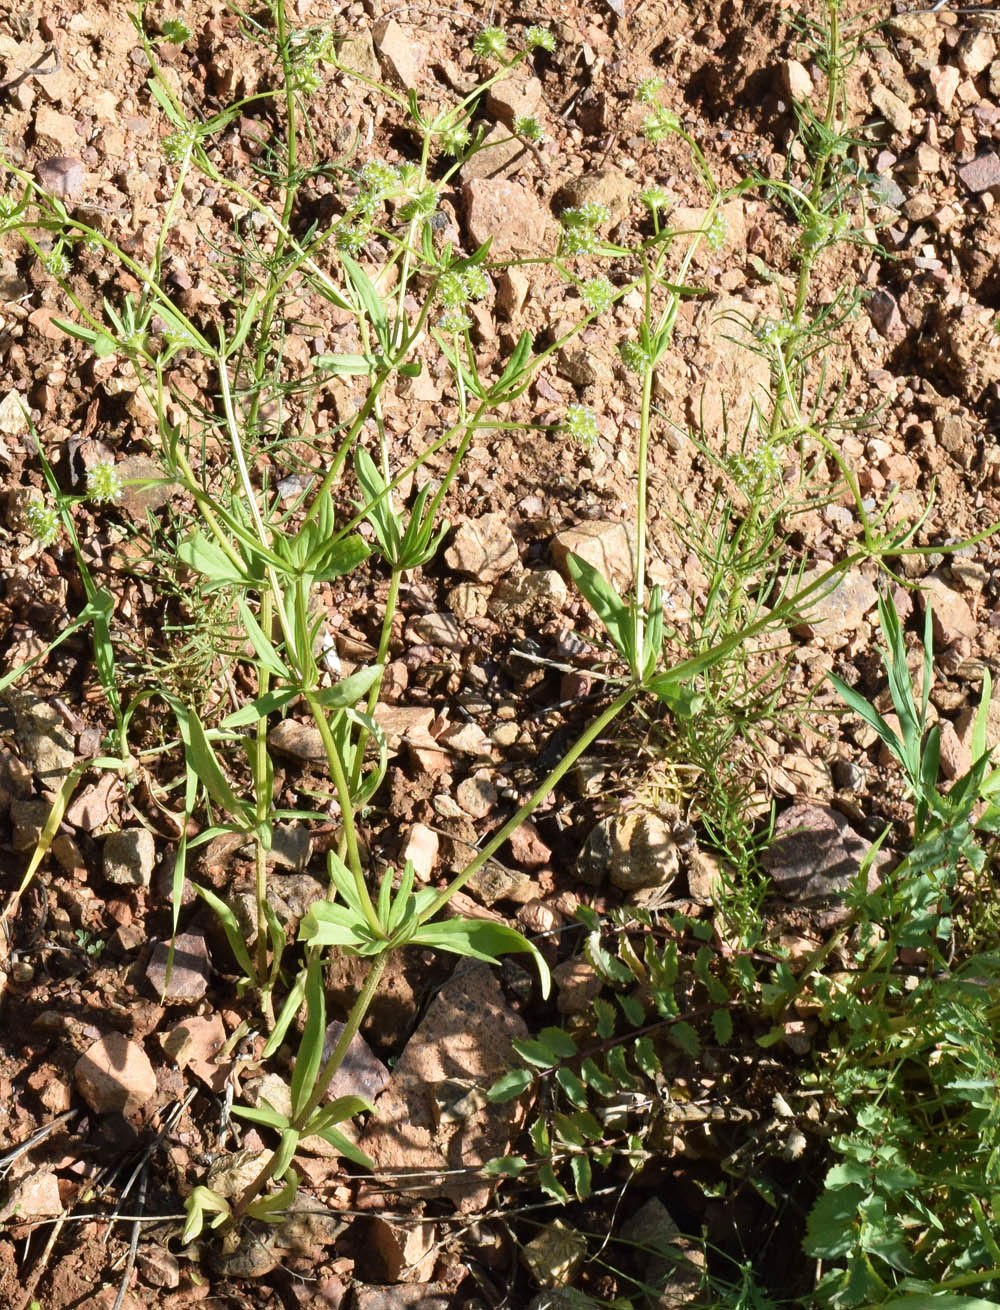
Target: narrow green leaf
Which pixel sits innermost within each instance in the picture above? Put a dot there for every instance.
(234, 934)
(369, 298)
(310, 1053)
(482, 940)
(604, 600)
(347, 1148)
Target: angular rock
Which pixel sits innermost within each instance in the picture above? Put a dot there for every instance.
(494, 883)
(115, 1076)
(56, 133)
(527, 847)
(477, 795)
(43, 739)
(291, 846)
(796, 80)
(27, 818)
(189, 974)
(357, 52)
(832, 617)
(466, 1034)
(892, 109)
(944, 81)
(883, 310)
(607, 546)
(483, 548)
(360, 1074)
(13, 415)
(301, 741)
(62, 175)
(403, 1296)
(195, 1044)
(527, 592)
(500, 155)
(976, 51)
(399, 55)
(950, 613)
(436, 629)
(514, 97)
(814, 853)
(509, 213)
(406, 1251)
(554, 1256)
(421, 850)
(981, 173)
(35, 1196)
(129, 857)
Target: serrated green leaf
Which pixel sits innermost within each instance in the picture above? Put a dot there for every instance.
(572, 1086)
(604, 1012)
(594, 1076)
(535, 1052)
(505, 1166)
(722, 1026)
(511, 1085)
(558, 1041)
(684, 1036)
(579, 1167)
(551, 1185)
(633, 1010)
(646, 1057)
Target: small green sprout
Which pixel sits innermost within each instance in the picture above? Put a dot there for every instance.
(43, 522)
(491, 43)
(104, 483)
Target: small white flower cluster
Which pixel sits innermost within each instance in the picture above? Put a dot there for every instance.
(179, 144)
(454, 320)
(527, 127)
(717, 231)
(655, 199)
(773, 331)
(579, 235)
(598, 294)
(42, 521)
(581, 424)
(751, 473)
(456, 288)
(104, 483)
(539, 38)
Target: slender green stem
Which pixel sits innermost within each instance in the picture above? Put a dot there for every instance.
(262, 789)
(383, 650)
(346, 809)
(550, 781)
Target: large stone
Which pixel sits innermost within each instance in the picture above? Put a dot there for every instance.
(950, 613)
(606, 546)
(483, 548)
(465, 1038)
(115, 1075)
(643, 853)
(398, 53)
(982, 173)
(129, 857)
(814, 853)
(189, 971)
(509, 213)
(834, 615)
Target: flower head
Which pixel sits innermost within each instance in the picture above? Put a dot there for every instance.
(632, 355)
(179, 144)
(104, 482)
(43, 522)
(477, 284)
(581, 424)
(539, 38)
(717, 231)
(454, 138)
(661, 123)
(527, 127)
(454, 320)
(655, 199)
(598, 294)
(490, 43)
(647, 90)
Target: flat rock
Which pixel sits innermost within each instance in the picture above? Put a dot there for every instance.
(362, 1073)
(465, 1035)
(357, 52)
(477, 795)
(483, 548)
(195, 1044)
(62, 175)
(115, 1076)
(406, 1251)
(43, 739)
(981, 173)
(500, 155)
(129, 857)
(814, 853)
(509, 213)
(514, 97)
(892, 109)
(399, 54)
(402, 1296)
(299, 740)
(604, 544)
(188, 980)
(526, 592)
(832, 617)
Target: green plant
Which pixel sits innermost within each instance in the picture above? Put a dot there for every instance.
(264, 562)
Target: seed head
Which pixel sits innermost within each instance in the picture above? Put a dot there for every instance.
(598, 294)
(490, 43)
(454, 320)
(581, 424)
(527, 127)
(648, 89)
(539, 38)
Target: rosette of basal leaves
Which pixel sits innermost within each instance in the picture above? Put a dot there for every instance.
(403, 920)
(403, 544)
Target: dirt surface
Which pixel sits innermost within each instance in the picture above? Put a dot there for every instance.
(487, 644)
